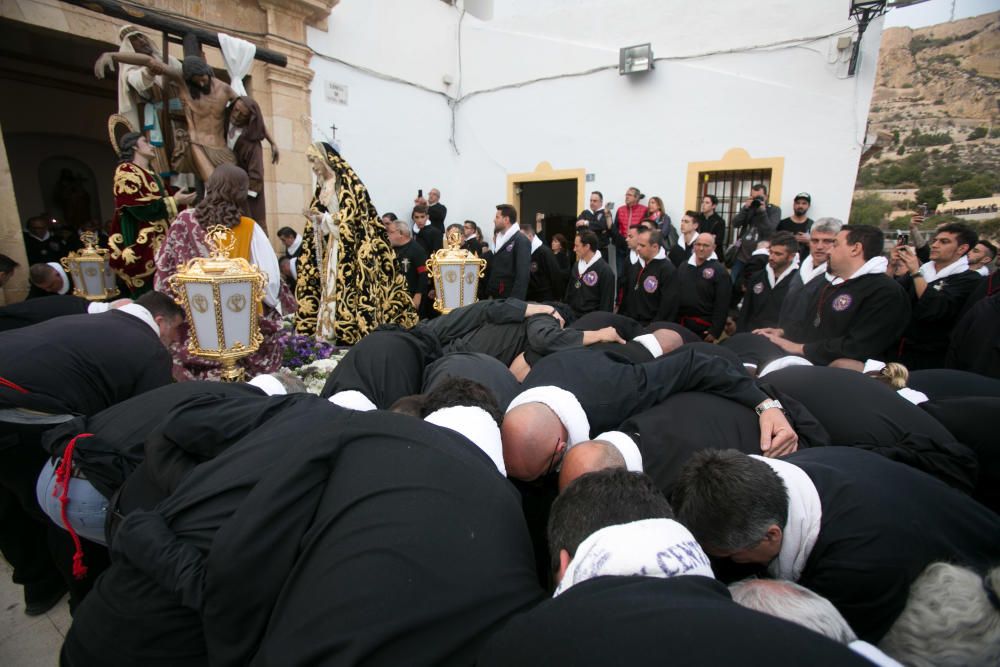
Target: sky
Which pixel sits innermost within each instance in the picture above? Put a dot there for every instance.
(938, 11)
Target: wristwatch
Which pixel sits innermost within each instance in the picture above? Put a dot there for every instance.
(767, 404)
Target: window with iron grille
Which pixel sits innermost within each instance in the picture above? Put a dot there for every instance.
(732, 188)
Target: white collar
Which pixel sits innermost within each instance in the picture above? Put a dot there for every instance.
(913, 396)
(659, 255)
(502, 239)
(783, 362)
(774, 280)
(353, 400)
(296, 244)
(626, 447)
(693, 261)
(633, 257)
(800, 532)
(62, 276)
(269, 385)
(536, 243)
(135, 310)
(961, 265)
(564, 404)
(807, 271)
(582, 266)
(873, 265)
(47, 236)
(983, 271)
(475, 424)
(683, 242)
(761, 251)
(660, 548)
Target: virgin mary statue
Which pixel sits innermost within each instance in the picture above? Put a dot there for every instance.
(348, 282)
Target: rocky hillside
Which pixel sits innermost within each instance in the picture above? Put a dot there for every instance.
(936, 107)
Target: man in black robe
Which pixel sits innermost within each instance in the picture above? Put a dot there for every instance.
(666, 435)
(848, 524)
(705, 290)
(889, 424)
(651, 293)
(475, 366)
(427, 235)
(33, 311)
(389, 363)
(937, 291)
(509, 269)
(411, 259)
(73, 365)
(592, 283)
(975, 340)
(856, 315)
(306, 521)
(766, 289)
(569, 395)
(635, 587)
(545, 282)
(436, 211)
(145, 608)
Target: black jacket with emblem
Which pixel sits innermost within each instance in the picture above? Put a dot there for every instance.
(594, 290)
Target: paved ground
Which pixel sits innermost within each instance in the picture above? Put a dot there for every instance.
(28, 641)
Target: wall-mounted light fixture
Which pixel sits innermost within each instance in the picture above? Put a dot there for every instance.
(635, 59)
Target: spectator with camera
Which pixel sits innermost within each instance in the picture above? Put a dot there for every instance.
(756, 221)
(937, 291)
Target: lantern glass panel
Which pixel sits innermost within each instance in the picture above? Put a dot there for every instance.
(202, 304)
(238, 311)
(93, 281)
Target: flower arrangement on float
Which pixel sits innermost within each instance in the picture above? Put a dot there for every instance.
(309, 359)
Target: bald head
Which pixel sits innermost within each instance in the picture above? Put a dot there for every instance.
(668, 339)
(704, 246)
(533, 439)
(586, 457)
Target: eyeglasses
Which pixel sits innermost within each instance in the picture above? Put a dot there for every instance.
(556, 460)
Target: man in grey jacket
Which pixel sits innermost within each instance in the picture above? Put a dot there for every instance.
(756, 222)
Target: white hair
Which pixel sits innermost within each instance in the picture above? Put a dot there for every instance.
(794, 603)
(949, 619)
(827, 225)
(403, 227)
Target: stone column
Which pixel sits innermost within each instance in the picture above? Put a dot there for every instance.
(11, 238)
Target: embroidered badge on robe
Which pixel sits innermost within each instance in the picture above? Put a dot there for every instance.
(589, 278)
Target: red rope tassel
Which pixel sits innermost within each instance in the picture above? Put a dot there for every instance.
(7, 383)
(63, 474)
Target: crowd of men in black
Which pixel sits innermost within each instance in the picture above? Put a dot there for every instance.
(534, 481)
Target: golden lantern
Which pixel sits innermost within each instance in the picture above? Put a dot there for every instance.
(92, 276)
(456, 273)
(221, 297)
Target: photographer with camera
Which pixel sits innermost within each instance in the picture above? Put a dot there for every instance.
(937, 290)
(756, 221)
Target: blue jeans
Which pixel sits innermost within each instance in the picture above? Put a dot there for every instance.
(85, 510)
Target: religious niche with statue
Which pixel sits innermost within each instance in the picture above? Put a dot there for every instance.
(456, 273)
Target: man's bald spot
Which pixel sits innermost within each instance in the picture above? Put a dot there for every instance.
(705, 237)
(668, 339)
(529, 434)
(587, 457)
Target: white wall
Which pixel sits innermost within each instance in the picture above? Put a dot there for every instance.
(787, 100)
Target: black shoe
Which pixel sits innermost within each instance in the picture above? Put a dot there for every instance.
(39, 599)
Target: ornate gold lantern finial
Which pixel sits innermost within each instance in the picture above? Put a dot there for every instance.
(221, 297)
(92, 276)
(456, 273)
